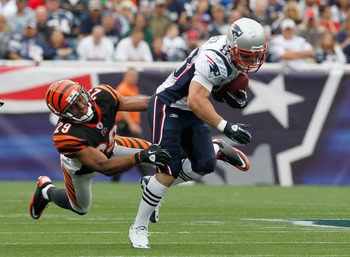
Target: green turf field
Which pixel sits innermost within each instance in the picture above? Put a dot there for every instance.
(195, 221)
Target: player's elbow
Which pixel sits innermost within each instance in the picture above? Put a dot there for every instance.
(194, 103)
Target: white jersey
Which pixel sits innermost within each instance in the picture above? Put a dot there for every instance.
(210, 64)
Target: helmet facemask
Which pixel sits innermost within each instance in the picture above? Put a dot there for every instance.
(80, 107)
(248, 61)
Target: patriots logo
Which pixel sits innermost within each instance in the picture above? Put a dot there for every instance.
(236, 31)
(214, 69)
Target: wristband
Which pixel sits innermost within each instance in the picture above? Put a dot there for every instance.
(137, 158)
(222, 125)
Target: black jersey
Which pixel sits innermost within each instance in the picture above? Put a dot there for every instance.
(69, 137)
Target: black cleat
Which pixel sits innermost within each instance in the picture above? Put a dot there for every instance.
(38, 203)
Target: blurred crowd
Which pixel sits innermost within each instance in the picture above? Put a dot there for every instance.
(299, 32)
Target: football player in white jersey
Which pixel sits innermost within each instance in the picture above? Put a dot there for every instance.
(180, 113)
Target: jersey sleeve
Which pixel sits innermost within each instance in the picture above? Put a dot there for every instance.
(106, 93)
(213, 66)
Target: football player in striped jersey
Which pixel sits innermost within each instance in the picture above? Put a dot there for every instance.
(85, 137)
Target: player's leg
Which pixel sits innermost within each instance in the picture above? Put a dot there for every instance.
(167, 133)
(76, 196)
(201, 159)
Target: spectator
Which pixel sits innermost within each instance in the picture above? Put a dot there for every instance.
(219, 25)
(126, 16)
(243, 6)
(129, 123)
(44, 31)
(157, 52)
(16, 21)
(173, 44)
(192, 40)
(291, 11)
(328, 52)
(275, 10)
(175, 8)
(77, 7)
(112, 27)
(58, 48)
(327, 19)
(25, 46)
(340, 11)
(309, 28)
(309, 4)
(260, 15)
(4, 36)
(62, 19)
(96, 47)
(8, 7)
(134, 48)
(33, 4)
(184, 23)
(289, 49)
(159, 21)
(90, 19)
(203, 26)
(343, 38)
(234, 15)
(141, 23)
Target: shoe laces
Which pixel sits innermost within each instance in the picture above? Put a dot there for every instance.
(142, 230)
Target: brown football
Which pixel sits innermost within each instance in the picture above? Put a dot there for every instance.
(241, 82)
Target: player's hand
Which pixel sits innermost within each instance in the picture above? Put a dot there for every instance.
(155, 155)
(237, 132)
(239, 100)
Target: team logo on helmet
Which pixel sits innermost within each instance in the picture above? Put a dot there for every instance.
(236, 31)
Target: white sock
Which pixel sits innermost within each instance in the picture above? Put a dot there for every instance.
(186, 174)
(216, 148)
(151, 196)
(44, 191)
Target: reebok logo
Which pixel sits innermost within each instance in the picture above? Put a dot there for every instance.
(173, 115)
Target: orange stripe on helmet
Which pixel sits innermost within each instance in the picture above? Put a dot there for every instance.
(57, 94)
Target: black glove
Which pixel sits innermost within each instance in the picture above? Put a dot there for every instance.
(237, 132)
(154, 155)
(236, 101)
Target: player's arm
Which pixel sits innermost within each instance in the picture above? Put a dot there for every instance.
(95, 160)
(199, 103)
(133, 103)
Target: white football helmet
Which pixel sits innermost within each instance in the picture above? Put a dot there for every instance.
(246, 40)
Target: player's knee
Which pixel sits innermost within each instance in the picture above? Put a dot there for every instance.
(208, 166)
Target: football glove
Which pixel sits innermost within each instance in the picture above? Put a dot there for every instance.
(154, 155)
(236, 101)
(237, 132)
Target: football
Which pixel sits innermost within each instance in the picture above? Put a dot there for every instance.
(241, 82)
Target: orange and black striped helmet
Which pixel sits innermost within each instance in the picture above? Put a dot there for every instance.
(62, 94)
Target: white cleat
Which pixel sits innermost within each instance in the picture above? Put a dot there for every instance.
(139, 237)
